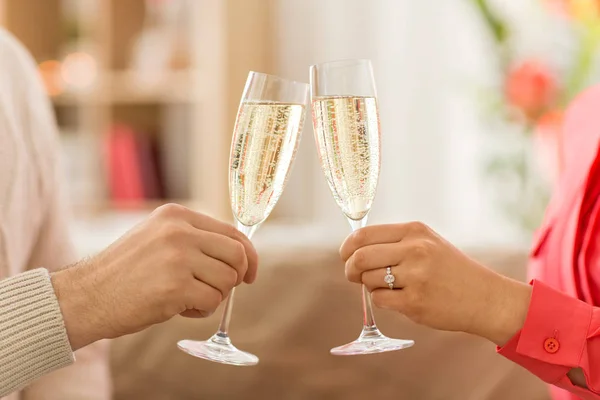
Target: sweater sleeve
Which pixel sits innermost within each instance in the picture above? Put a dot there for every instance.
(560, 333)
(33, 338)
(51, 245)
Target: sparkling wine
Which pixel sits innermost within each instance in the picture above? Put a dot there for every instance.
(348, 142)
(266, 138)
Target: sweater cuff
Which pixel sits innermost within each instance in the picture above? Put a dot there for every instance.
(33, 338)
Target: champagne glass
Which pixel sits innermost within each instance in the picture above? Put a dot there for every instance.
(265, 140)
(346, 126)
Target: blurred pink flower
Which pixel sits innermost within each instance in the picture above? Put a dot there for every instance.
(578, 9)
(531, 88)
(559, 6)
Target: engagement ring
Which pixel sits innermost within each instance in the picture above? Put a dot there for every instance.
(389, 278)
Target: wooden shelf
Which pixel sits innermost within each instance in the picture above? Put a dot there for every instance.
(225, 39)
(128, 87)
(143, 206)
(71, 99)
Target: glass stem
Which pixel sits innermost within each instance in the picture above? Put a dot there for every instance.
(224, 325)
(369, 326)
(368, 317)
(222, 334)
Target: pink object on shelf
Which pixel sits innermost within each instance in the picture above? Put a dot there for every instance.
(123, 165)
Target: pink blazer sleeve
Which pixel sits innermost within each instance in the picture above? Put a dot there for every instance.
(560, 333)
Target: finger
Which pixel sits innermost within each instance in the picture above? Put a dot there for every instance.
(380, 234)
(205, 223)
(375, 279)
(194, 314)
(225, 249)
(198, 220)
(201, 300)
(389, 299)
(252, 258)
(217, 274)
(373, 257)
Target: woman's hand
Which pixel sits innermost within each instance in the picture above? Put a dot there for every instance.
(435, 283)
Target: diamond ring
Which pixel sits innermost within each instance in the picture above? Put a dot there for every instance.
(389, 278)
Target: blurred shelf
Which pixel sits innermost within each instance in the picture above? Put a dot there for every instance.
(116, 208)
(223, 40)
(128, 87)
(71, 99)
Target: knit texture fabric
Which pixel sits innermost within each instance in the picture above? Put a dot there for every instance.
(33, 338)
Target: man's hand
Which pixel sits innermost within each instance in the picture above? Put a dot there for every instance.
(176, 262)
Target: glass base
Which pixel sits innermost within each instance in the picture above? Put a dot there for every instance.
(371, 342)
(218, 349)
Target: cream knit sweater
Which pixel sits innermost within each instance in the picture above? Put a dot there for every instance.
(33, 340)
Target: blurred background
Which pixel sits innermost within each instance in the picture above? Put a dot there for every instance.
(146, 91)
(471, 93)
